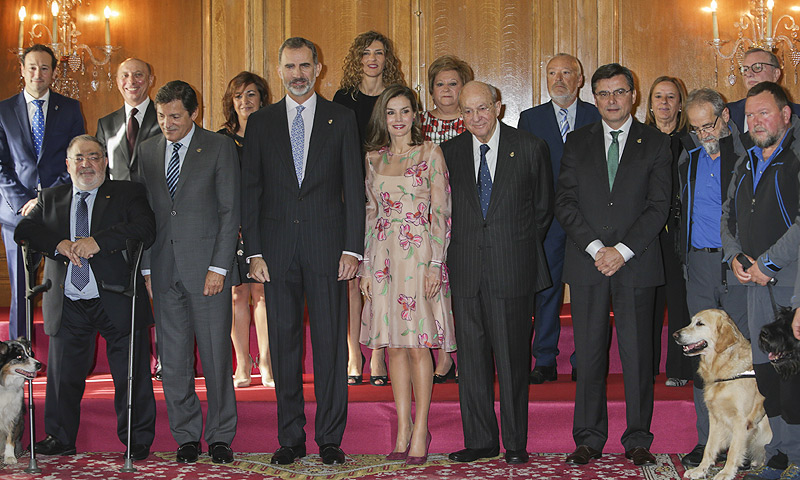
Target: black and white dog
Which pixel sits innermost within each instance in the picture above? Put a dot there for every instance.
(16, 365)
(777, 341)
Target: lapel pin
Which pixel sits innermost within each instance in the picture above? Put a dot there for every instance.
(638, 140)
(330, 121)
(511, 154)
(108, 196)
(200, 149)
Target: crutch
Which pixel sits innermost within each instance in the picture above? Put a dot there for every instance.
(135, 249)
(31, 262)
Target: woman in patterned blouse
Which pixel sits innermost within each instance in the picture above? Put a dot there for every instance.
(446, 75)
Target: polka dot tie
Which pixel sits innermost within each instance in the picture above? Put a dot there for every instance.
(298, 137)
(484, 181)
(38, 127)
(80, 275)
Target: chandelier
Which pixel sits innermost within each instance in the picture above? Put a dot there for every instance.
(75, 59)
(757, 29)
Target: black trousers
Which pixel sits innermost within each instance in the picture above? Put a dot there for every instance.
(70, 357)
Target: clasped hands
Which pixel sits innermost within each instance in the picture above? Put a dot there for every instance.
(608, 260)
(81, 248)
(752, 274)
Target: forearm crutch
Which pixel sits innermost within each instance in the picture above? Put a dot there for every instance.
(135, 249)
(31, 261)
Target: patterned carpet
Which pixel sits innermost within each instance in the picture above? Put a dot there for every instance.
(253, 466)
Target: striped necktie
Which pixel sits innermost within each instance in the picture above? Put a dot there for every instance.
(563, 124)
(174, 169)
(80, 275)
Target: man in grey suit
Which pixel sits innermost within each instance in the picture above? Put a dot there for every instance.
(135, 122)
(192, 179)
(613, 253)
(502, 189)
(303, 230)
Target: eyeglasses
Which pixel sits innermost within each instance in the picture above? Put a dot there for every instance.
(94, 157)
(756, 67)
(616, 93)
(707, 128)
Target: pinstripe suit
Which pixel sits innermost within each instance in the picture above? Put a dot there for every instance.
(633, 213)
(496, 266)
(301, 231)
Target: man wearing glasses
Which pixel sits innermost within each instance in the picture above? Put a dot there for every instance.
(758, 66)
(612, 200)
(705, 171)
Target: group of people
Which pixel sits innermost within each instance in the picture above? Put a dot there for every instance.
(454, 228)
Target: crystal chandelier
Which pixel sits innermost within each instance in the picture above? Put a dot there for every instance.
(756, 29)
(75, 59)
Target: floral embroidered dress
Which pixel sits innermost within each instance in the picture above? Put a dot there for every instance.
(407, 227)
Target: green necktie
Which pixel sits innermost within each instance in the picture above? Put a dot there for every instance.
(613, 158)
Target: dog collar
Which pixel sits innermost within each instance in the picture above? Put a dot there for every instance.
(747, 374)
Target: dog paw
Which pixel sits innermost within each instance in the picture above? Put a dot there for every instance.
(695, 473)
(723, 475)
(10, 460)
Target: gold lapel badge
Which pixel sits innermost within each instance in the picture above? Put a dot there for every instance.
(330, 121)
(108, 196)
(638, 140)
(199, 150)
(511, 154)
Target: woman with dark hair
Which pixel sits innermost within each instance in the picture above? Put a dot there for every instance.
(665, 111)
(407, 307)
(369, 67)
(446, 75)
(246, 93)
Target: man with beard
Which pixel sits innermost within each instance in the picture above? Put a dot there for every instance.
(759, 228)
(706, 166)
(303, 231)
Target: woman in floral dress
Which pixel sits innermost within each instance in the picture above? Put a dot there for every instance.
(407, 232)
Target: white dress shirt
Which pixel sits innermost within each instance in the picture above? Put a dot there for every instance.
(32, 107)
(308, 121)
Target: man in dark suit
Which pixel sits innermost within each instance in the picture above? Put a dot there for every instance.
(36, 125)
(303, 230)
(502, 190)
(758, 65)
(192, 180)
(132, 124)
(613, 253)
(551, 122)
(82, 229)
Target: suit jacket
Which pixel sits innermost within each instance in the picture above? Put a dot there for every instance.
(321, 218)
(21, 172)
(506, 247)
(200, 226)
(120, 213)
(633, 212)
(111, 129)
(736, 110)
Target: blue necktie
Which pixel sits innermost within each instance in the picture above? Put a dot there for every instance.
(484, 181)
(564, 124)
(298, 137)
(174, 169)
(38, 126)
(80, 275)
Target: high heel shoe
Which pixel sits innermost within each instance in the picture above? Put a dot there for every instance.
(399, 455)
(266, 378)
(451, 374)
(358, 379)
(420, 460)
(242, 381)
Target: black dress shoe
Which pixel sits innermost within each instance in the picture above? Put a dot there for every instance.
(640, 456)
(188, 452)
(583, 455)
(541, 374)
(516, 457)
(451, 374)
(472, 454)
(287, 455)
(51, 446)
(331, 454)
(139, 451)
(220, 452)
(693, 458)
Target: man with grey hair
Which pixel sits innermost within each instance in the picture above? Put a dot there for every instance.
(303, 231)
(758, 65)
(711, 151)
(502, 193)
(551, 122)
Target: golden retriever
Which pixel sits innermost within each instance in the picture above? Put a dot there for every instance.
(737, 420)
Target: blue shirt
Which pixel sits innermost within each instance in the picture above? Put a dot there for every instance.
(760, 163)
(707, 208)
(90, 290)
